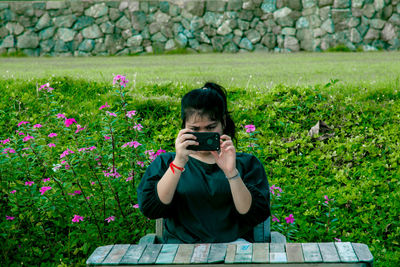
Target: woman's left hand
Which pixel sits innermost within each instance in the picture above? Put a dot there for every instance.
(226, 158)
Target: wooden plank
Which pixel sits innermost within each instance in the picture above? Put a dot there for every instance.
(260, 253)
(98, 255)
(200, 253)
(294, 253)
(311, 252)
(217, 253)
(133, 254)
(244, 253)
(167, 254)
(277, 253)
(150, 254)
(184, 254)
(346, 252)
(230, 253)
(363, 253)
(329, 252)
(116, 254)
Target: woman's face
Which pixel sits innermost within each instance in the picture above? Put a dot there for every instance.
(199, 123)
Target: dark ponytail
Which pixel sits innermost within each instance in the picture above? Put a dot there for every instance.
(209, 100)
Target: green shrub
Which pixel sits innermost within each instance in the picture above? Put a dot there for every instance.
(344, 186)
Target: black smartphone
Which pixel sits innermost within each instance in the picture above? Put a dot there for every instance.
(208, 141)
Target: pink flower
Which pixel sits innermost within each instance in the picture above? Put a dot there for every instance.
(136, 206)
(107, 137)
(327, 199)
(152, 154)
(160, 151)
(92, 148)
(9, 218)
(104, 106)
(129, 178)
(122, 79)
(77, 192)
(66, 152)
(46, 87)
(138, 127)
(29, 183)
(9, 150)
(109, 219)
(140, 163)
(92, 183)
(338, 239)
(20, 133)
(44, 189)
(82, 149)
(13, 192)
(77, 218)
(274, 219)
(60, 115)
(69, 122)
(28, 137)
(250, 128)
(134, 144)
(5, 141)
(46, 180)
(52, 135)
(37, 126)
(111, 114)
(289, 219)
(273, 188)
(52, 145)
(131, 113)
(79, 128)
(23, 122)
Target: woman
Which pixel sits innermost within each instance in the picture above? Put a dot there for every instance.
(205, 196)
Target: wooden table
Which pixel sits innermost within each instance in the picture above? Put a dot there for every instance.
(211, 255)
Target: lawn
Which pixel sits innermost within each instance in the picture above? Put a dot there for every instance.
(71, 158)
(249, 70)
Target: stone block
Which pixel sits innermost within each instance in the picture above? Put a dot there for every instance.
(341, 3)
(87, 45)
(377, 24)
(224, 29)
(28, 40)
(379, 4)
(47, 33)
(3, 32)
(196, 24)
(324, 3)
(309, 3)
(14, 28)
(289, 31)
(64, 21)
(395, 19)
(243, 25)
(204, 48)
(247, 15)
(46, 45)
(387, 12)
(124, 23)
(216, 6)
(291, 43)
(92, 32)
(340, 18)
(253, 36)
(234, 5)
(138, 21)
(107, 27)
(246, 44)
(126, 33)
(357, 3)
(213, 19)
(164, 6)
(158, 38)
(161, 17)
(328, 26)
(83, 22)
(174, 10)
(43, 22)
(355, 36)
(97, 10)
(296, 5)
(65, 34)
(269, 40)
(368, 10)
(231, 48)
(302, 23)
(372, 34)
(209, 31)
(181, 40)
(56, 5)
(8, 42)
(196, 8)
(170, 45)
(353, 22)
(388, 33)
(325, 13)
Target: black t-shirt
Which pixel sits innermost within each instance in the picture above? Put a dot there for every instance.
(202, 209)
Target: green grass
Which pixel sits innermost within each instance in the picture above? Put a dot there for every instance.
(250, 70)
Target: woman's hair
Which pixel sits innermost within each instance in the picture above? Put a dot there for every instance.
(210, 100)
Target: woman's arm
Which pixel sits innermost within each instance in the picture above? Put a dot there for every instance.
(241, 195)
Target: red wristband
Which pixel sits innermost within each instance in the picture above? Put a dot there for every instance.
(172, 166)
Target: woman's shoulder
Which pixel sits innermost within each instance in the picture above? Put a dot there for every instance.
(246, 158)
(166, 156)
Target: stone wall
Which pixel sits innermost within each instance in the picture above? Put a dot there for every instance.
(133, 27)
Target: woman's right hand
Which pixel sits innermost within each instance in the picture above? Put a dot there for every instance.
(184, 140)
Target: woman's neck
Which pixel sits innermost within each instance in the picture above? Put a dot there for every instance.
(206, 157)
